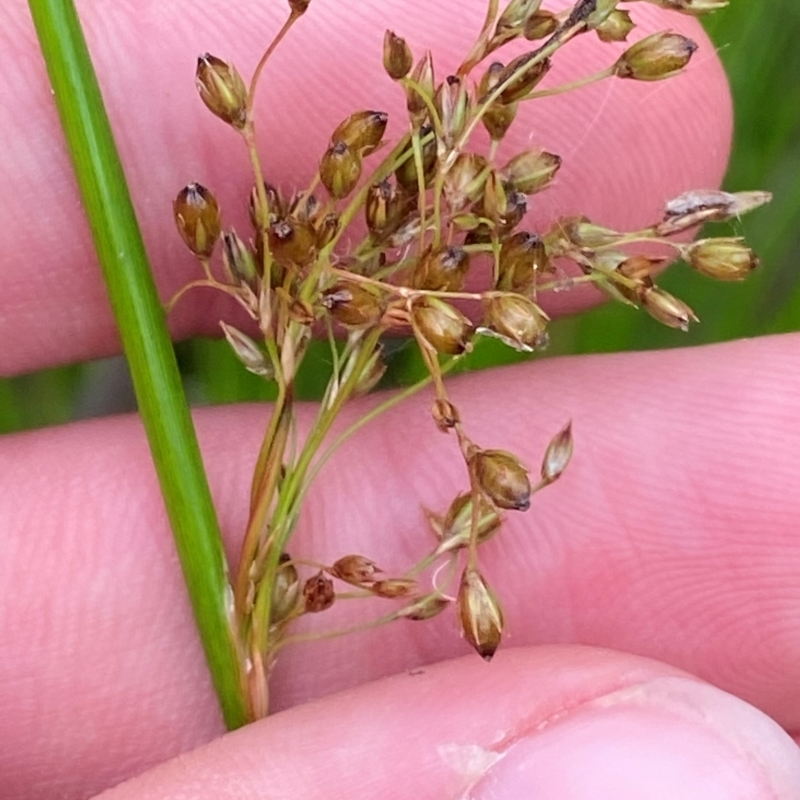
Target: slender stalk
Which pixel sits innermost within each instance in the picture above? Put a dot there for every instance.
(141, 320)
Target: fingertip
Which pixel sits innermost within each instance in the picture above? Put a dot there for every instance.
(554, 722)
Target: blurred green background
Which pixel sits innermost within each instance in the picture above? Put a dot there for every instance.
(763, 63)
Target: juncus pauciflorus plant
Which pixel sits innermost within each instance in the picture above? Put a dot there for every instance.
(383, 243)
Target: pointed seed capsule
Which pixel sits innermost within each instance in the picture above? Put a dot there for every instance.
(247, 351)
(441, 270)
(222, 90)
(540, 24)
(724, 259)
(238, 260)
(285, 591)
(196, 214)
(666, 308)
(362, 131)
(354, 305)
(656, 57)
(503, 478)
(615, 27)
(526, 72)
(318, 593)
(394, 587)
(442, 327)
(531, 171)
(354, 569)
(515, 319)
(423, 608)
(397, 56)
(340, 169)
(479, 613)
(523, 257)
(558, 454)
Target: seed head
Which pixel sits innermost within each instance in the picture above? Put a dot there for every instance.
(502, 478)
(196, 214)
(455, 528)
(292, 242)
(479, 613)
(423, 608)
(386, 208)
(421, 86)
(441, 270)
(445, 414)
(222, 90)
(540, 25)
(531, 171)
(362, 131)
(354, 569)
(465, 180)
(557, 455)
(340, 169)
(397, 56)
(238, 260)
(725, 259)
(247, 351)
(666, 309)
(354, 305)
(615, 27)
(526, 72)
(394, 587)
(442, 327)
(299, 7)
(453, 105)
(523, 257)
(285, 591)
(658, 56)
(515, 319)
(318, 593)
(259, 216)
(497, 118)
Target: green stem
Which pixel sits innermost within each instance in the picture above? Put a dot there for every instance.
(145, 339)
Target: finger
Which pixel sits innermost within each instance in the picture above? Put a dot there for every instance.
(627, 147)
(672, 535)
(547, 723)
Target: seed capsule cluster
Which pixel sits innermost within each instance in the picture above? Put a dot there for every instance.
(434, 205)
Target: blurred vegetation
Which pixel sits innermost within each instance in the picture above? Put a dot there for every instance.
(763, 63)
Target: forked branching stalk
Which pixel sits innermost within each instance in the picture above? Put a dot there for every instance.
(433, 205)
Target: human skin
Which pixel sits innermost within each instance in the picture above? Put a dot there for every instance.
(672, 536)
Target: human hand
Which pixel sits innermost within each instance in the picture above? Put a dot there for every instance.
(671, 536)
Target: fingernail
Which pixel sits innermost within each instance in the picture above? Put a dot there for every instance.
(671, 738)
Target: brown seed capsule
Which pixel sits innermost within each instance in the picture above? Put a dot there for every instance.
(495, 198)
(354, 305)
(442, 327)
(658, 56)
(299, 7)
(724, 259)
(340, 169)
(386, 208)
(423, 608)
(421, 86)
(406, 173)
(292, 242)
(455, 528)
(515, 319)
(240, 266)
(363, 131)
(354, 569)
(222, 90)
(397, 56)
(666, 309)
(615, 27)
(558, 454)
(318, 593)
(441, 270)
(479, 613)
(522, 258)
(196, 214)
(540, 24)
(513, 19)
(497, 118)
(247, 351)
(583, 233)
(531, 171)
(371, 374)
(394, 587)
(445, 414)
(326, 229)
(453, 105)
(465, 180)
(277, 208)
(502, 478)
(526, 72)
(640, 268)
(285, 591)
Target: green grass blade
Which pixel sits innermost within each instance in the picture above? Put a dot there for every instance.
(145, 339)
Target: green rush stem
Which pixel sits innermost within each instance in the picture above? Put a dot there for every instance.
(285, 514)
(145, 339)
(420, 188)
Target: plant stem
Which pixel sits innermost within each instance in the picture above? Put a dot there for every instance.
(145, 339)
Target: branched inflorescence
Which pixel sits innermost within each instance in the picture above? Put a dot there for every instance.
(433, 206)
